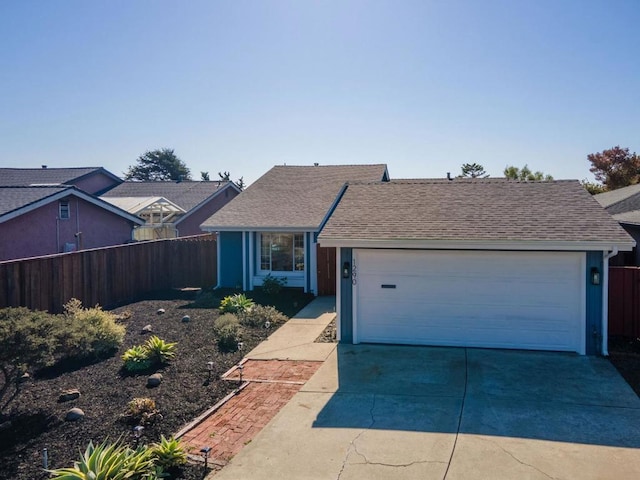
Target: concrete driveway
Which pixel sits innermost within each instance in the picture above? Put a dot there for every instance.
(379, 412)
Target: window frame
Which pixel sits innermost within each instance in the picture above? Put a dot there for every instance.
(298, 252)
(64, 206)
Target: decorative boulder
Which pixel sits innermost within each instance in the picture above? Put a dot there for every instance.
(24, 377)
(160, 311)
(69, 395)
(74, 414)
(147, 329)
(186, 319)
(154, 380)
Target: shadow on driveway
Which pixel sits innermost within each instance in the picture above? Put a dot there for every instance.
(534, 395)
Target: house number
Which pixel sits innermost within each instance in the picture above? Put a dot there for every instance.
(354, 273)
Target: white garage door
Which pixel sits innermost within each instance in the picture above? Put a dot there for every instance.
(528, 300)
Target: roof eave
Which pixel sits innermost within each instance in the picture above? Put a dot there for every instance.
(545, 245)
(276, 228)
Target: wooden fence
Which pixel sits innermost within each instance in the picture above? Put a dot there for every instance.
(624, 301)
(110, 275)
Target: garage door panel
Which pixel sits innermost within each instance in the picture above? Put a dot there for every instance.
(492, 299)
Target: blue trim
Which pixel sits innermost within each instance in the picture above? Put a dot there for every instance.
(230, 259)
(594, 306)
(346, 299)
(307, 260)
(330, 212)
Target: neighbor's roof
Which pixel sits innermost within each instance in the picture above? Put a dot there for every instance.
(47, 176)
(628, 218)
(472, 210)
(621, 200)
(290, 197)
(138, 205)
(18, 200)
(185, 194)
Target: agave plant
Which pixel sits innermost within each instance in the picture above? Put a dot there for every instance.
(160, 351)
(169, 453)
(137, 359)
(235, 303)
(109, 461)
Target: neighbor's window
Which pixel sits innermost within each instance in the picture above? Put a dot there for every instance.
(64, 210)
(282, 252)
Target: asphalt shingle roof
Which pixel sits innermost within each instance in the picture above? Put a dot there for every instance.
(621, 200)
(13, 198)
(479, 209)
(185, 194)
(291, 196)
(43, 176)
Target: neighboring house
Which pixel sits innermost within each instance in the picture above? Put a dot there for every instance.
(271, 227)
(473, 263)
(37, 221)
(93, 180)
(171, 209)
(624, 205)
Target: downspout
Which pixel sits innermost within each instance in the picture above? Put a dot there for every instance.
(605, 300)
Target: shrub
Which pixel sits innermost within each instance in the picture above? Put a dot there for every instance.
(111, 461)
(259, 315)
(169, 453)
(142, 410)
(160, 351)
(28, 340)
(136, 359)
(235, 303)
(273, 285)
(229, 332)
(94, 331)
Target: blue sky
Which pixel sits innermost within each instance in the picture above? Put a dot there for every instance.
(423, 86)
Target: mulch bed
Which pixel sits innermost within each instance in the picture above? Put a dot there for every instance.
(38, 417)
(625, 356)
(329, 334)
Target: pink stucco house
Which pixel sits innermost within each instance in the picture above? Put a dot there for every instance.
(43, 220)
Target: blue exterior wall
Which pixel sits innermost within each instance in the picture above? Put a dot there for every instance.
(594, 305)
(230, 260)
(346, 299)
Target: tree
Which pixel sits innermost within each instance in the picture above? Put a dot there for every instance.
(226, 177)
(525, 174)
(158, 165)
(204, 176)
(615, 167)
(473, 170)
(592, 187)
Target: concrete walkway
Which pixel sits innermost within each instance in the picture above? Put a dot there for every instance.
(295, 339)
(380, 412)
(271, 375)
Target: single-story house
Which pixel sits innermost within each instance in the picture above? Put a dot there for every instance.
(171, 209)
(271, 227)
(45, 220)
(472, 262)
(93, 180)
(624, 205)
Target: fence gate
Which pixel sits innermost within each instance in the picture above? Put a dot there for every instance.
(624, 301)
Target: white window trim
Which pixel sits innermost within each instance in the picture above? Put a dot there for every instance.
(68, 204)
(291, 273)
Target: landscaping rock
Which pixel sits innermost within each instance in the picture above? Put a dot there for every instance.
(74, 415)
(147, 329)
(160, 311)
(69, 395)
(154, 380)
(24, 377)
(186, 319)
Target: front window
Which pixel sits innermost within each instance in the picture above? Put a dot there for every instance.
(282, 252)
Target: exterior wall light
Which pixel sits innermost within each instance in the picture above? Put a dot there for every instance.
(595, 276)
(346, 270)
